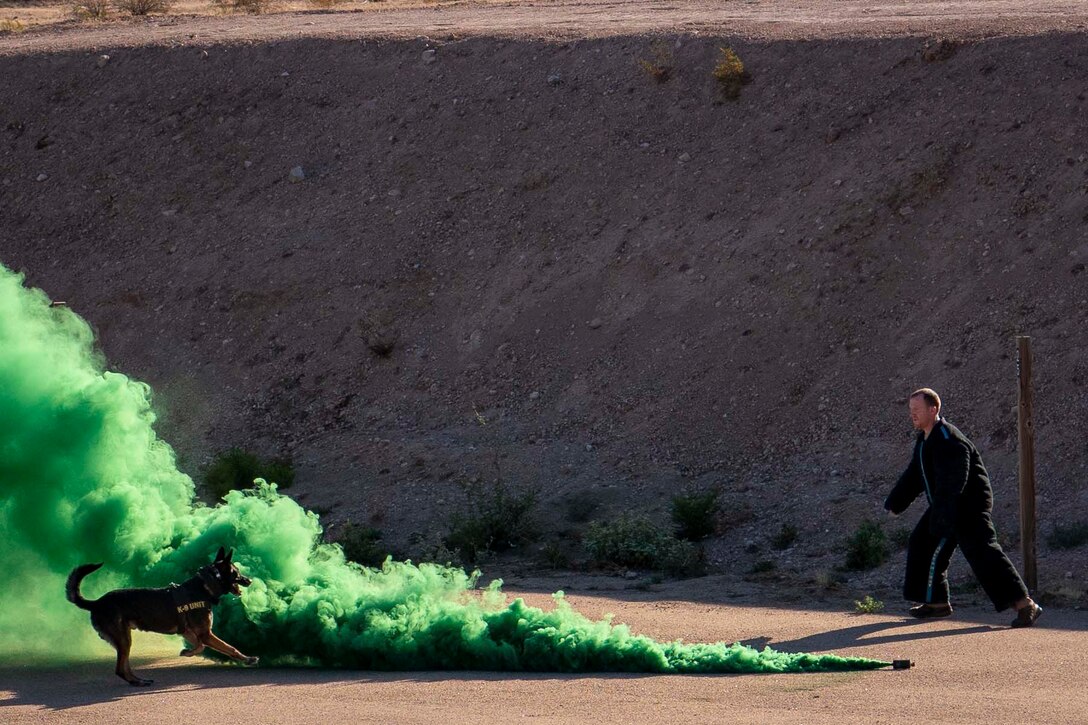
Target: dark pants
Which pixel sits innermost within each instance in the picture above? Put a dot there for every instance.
(928, 557)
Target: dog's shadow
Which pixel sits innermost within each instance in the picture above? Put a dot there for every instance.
(62, 687)
(59, 688)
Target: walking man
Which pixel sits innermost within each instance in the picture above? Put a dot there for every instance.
(948, 469)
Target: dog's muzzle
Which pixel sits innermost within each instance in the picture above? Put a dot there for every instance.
(240, 580)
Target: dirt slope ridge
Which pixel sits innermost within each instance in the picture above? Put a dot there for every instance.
(600, 282)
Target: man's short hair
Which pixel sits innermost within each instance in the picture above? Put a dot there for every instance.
(930, 396)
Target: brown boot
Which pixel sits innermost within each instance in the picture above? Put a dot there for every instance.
(929, 611)
(1026, 616)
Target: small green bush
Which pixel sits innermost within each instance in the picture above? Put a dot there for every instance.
(1068, 536)
(554, 556)
(762, 567)
(867, 548)
(868, 605)
(430, 545)
(495, 518)
(785, 537)
(236, 469)
(635, 541)
(695, 514)
(900, 538)
(579, 506)
(361, 545)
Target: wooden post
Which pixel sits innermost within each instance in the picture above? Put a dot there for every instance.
(1027, 462)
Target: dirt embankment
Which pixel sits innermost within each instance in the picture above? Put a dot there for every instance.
(591, 282)
(187, 20)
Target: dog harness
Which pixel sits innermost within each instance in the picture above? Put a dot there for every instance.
(196, 593)
(190, 606)
(187, 600)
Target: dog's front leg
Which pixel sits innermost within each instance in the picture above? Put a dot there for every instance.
(219, 645)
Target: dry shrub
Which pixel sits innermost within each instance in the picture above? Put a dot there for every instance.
(785, 537)
(253, 7)
(326, 4)
(143, 7)
(92, 10)
(12, 26)
(660, 66)
(939, 50)
(730, 73)
(379, 332)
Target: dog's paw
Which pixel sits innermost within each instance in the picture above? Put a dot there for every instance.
(251, 661)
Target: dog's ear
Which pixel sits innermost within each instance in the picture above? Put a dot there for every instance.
(222, 553)
(227, 558)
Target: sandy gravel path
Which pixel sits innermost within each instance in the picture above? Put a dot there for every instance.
(971, 668)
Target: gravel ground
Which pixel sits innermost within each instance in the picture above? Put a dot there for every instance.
(968, 669)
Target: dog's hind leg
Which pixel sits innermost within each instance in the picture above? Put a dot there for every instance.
(195, 649)
(117, 633)
(124, 668)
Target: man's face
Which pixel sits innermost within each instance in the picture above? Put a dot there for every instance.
(922, 414)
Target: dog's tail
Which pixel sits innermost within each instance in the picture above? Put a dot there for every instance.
(74, 580)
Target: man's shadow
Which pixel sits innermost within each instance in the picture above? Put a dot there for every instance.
(858, 636)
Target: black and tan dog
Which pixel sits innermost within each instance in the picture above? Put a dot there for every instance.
(183, 609)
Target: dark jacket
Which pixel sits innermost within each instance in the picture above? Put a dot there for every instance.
(948, 469)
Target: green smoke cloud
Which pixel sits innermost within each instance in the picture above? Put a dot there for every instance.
(84, 478)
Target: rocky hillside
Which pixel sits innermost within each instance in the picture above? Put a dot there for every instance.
(409, 264)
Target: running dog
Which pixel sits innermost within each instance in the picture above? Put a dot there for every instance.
(183, 609)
